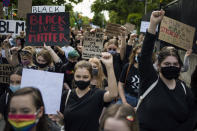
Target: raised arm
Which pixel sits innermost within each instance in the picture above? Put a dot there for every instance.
(185, 67)
(112, 92)
(11, 58)
(147, 72)
(123, 43)
(55, 57)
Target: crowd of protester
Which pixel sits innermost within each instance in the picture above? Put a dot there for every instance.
(131, 87)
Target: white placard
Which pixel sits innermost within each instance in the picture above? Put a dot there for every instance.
(48, 9)
(13, 27)
(144, 26)
(50, 84)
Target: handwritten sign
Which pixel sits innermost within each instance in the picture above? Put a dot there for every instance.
(129, 27)
(5, 70)
(176, 33)
(51, 28)
(93, 45)
(113, 30)
(50, 84)
(24, 7)
(48, 9)
(11, 27)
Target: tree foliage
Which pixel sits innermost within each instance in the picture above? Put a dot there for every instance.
(122, 11)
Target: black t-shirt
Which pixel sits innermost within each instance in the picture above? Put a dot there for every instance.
(68, 70)
(117, 63)
(82, 114)
(132, 82)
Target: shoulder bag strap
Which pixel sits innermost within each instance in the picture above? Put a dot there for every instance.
(67, 97)
(146, 93)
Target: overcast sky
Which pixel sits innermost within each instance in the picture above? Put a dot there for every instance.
(85, 8)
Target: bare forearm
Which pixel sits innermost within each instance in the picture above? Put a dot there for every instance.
(55, 57)
(112, 84)
(121, 92)
(123, 48)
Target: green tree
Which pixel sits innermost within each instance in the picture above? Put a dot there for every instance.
(99, 19)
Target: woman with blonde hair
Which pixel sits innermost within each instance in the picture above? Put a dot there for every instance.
(98, 79)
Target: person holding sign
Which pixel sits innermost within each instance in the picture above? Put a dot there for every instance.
(83, 106)
(165, 103)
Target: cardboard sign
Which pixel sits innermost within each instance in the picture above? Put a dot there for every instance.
(1, 11)
(24, 7)
(93, 45)
(113, 30)
(13, 27)
(50, 84)
(48, 9)
(129, 27)
(176, 33)
(51, 28)
(5, 70)
(144, 26)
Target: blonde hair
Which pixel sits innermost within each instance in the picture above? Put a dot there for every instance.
(101, 75)
(30, 49)
(134, 51)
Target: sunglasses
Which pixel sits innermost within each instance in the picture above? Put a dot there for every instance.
(23, 53)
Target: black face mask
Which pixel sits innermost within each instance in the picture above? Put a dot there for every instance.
(170, 72)
(41, 65)
(82, 85)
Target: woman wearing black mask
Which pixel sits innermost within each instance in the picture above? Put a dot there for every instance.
(128, 85)
(48, 60)
(166, 103)
(68, 69)
(83, 106)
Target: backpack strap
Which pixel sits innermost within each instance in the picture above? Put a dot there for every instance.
(146, 93)
(67, 97)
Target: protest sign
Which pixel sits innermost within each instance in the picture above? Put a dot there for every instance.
(50, 84)
(176, 33)
(1, 11)
(5, 70)
(51, 28)
(144, 26)
(24, 7)
(11, 27)
(92, 45)
(129, 27)
(48, 9)
(113, 30)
